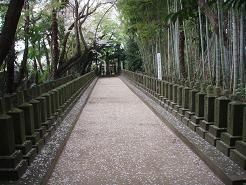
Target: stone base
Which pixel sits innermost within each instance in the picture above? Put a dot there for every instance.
(239, 158)
(216, 131)
(172, 104)
(194, 122)
(177, 107)
(41, 130)
(223, 147)
(179, 116)
(56, 115)
(175, 112)
(11, 161)
(182, 111)
(39, 145)
(185, 120)
(59, 110)
(30, 156)
(229, 139)
(168, 102)
(189, 114)
(34, 138)
(25, 147)
(47, 124)
(193, 126)
(195, 119)
(46, 137)
(241, 147)
(169, 109)
(165, 100)
(13, 173)
(201, 132)
(51, 130)
(51, 119)
(166, 106)
(205, 125)
(211, 139)
(63, 107)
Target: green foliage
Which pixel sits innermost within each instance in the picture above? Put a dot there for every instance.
(134, 61)
(3, 9)
(189, 10)
(235, 4)
(241, 91)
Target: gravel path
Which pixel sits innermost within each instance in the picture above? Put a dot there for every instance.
(119, 140)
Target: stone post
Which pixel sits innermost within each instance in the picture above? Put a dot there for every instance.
(209, 101)
(144, 82)
(199, 109)
(19, 127)
(37, 112)
(165, 98)
(170, 96)
(220, 118)
(179, 99)
(29, 122)
(7, 139)
(192, 100)
(234, 127)
(12, 165)
(185, 101)
(161, 91)
(239, 154)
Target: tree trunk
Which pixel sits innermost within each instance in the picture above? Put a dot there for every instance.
(23, 68)
(7, 36)
(35, 67)
(235, 51)
(46, 55)
(55, 44)
(201, 43)
(182, 54)
(212, 17)
(76, 27)
(10, 60)
(242, 46)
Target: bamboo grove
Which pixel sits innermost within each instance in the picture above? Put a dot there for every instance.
(199, 40)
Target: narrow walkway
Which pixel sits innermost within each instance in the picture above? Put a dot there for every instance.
(119, 140)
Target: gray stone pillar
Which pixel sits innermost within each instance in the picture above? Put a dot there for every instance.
(170, 97)
(220, 119)
(7, 137)
(234, 127)
(179, 99)
(17, 115)
(185, 102)
(239, 154)
(12, 165)
(199, 109)
(31, 135)
(209, 101)
(192, 100)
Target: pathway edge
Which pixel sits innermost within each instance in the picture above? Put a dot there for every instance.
(233, 176)
(41, 168)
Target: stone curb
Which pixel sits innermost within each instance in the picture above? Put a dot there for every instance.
(228, 171)
(41, 168)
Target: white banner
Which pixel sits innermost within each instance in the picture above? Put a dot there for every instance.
(159, 71)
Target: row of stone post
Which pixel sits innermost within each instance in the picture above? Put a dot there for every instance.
(207, 110)
(28, 118)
